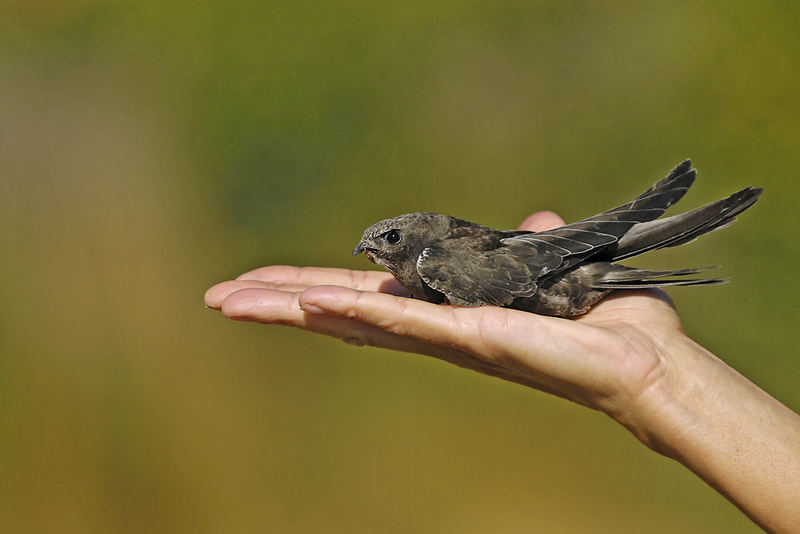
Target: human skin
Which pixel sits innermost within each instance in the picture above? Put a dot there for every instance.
(627, 357)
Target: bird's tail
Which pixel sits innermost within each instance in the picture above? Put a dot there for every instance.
(683, 228)
(612, 276)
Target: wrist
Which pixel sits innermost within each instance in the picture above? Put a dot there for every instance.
(674, 402)
(731, 433)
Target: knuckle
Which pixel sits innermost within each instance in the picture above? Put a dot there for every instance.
(358, 339)
(395, 324)
(353, 275)
(492, 328)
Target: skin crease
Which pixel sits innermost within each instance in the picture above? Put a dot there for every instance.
(627, 357)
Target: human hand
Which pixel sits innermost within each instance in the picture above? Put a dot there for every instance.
(627, 357)
(603, 359)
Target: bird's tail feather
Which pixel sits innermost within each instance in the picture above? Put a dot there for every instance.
(622, 277)
(662, 283)
(685, 227)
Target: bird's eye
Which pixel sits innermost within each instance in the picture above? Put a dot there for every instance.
(393, 237)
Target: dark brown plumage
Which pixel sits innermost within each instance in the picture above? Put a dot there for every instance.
(561, 272)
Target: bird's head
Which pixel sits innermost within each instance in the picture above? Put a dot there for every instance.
(395, 242)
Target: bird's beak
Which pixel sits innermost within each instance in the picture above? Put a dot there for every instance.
(359, 249)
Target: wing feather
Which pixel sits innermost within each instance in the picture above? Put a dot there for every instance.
(476, 278)
(596, 233)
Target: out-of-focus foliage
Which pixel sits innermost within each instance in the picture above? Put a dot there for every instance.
(149, 149)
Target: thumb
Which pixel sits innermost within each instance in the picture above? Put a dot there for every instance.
(542, 220)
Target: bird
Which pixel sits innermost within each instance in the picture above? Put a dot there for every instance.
(561, 272)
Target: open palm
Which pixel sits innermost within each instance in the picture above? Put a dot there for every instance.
(603, 359)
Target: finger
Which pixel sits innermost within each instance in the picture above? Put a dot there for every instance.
(278, 307)
(316, 276)
(217, 294)
(547, 349)
(281, 307)
(542, 220)
(431, 323)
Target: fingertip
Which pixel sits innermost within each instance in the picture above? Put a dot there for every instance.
(214, 295)
(542, 220)
(235, 304)
(207, 301)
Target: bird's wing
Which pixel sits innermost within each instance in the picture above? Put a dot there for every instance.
(476, 278)
(580, 240)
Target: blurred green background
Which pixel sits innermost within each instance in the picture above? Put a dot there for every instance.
(150, 149)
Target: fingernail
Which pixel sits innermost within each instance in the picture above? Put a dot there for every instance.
(310, 308)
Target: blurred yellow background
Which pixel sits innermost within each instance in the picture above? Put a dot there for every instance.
(150, 149)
